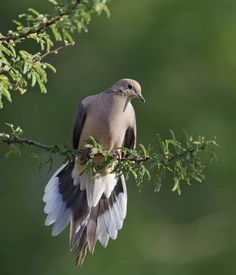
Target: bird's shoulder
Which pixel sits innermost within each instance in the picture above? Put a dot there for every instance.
(88, 100)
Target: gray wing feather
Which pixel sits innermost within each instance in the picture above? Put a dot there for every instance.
(111, 213)
(130, 135)
(111, 229)
(78, 125)
(62, 222)
(102, 233)
(114, 207)
(91, 229)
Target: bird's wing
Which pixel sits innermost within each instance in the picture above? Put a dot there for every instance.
(79, 123)
(131, 134)
(62, 198)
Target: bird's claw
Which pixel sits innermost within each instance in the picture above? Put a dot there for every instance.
(85, 155)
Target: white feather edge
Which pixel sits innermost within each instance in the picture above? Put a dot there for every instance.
(54, 178)
(55, 207)
(95, 186)
(112, 219)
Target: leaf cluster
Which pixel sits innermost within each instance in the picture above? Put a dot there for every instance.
(183, 162)
(20, 68)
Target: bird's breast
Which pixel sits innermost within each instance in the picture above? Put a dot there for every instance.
(108, 127)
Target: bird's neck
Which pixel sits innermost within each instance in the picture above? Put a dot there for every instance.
(120, 99)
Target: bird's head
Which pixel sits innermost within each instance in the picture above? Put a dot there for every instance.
(129, 88)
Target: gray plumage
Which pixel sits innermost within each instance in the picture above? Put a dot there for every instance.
(96, 206)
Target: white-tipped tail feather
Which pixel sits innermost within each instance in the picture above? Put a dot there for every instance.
(95, 207)
(96, 186)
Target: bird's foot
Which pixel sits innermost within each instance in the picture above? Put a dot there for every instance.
(85, 155)
(118, 155)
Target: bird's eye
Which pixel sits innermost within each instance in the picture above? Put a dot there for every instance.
(130, 86)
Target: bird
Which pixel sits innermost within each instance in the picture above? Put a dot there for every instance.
(94, 206)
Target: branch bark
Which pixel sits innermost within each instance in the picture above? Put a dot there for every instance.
(30, 142)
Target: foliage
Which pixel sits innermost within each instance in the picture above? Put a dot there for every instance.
(183, 162)
(19, 67)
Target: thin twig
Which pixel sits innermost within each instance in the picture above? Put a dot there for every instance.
(185, 152)
(137, 160)
(28, 141)
(53, 52)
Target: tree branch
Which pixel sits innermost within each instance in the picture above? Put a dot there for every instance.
(182, 162)
(20, 67)
(63, 149)
(40, 28)
(30, 142)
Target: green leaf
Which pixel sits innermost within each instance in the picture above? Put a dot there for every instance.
(33, 79)
(18, 23)
(42, 86)
(12, 50)
(52, 68)
(54, 2)
(145, 154)
(34, 12)
(5, 49)
(1, 104)
(56, 33)
(133, 173)
(24, 54)
(7, 94)
(176, 186)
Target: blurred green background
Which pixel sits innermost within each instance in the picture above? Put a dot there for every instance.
(184, 55)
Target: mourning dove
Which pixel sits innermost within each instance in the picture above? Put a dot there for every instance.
(95, 206)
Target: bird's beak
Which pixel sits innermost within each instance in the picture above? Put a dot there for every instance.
(141, 98)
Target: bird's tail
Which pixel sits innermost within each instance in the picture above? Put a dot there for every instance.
(66, 202)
